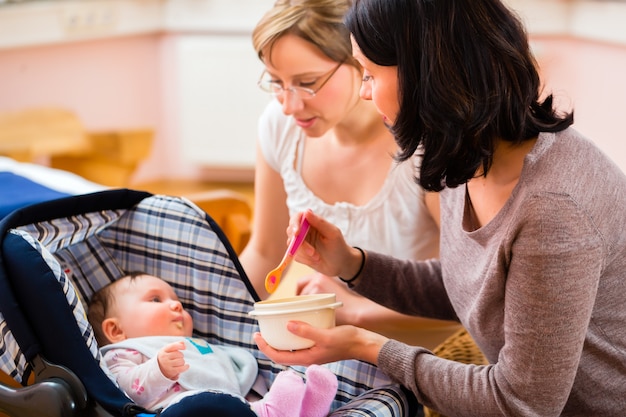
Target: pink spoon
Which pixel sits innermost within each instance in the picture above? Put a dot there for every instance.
(273, 277)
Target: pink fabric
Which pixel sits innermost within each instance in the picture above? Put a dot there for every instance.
(321, 386)
(284, 397)
(289, 396)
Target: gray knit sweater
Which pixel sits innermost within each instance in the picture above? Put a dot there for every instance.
(541, 288)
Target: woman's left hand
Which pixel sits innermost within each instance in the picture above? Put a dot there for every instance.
(334, 344)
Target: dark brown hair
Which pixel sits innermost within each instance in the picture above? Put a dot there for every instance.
(466, 78)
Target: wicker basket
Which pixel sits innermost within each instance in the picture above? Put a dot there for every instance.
(458, 347)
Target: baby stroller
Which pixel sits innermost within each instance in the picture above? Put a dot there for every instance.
(55, 255)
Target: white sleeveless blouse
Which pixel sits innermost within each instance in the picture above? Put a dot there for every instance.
(395, 221)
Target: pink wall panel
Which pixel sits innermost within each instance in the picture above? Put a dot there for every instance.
(111, 83)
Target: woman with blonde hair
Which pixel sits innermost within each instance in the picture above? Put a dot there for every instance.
(321, 147)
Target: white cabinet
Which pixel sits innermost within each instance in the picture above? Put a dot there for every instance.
(218, 100)
(215, 71)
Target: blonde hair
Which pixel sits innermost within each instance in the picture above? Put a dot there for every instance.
(319, 22)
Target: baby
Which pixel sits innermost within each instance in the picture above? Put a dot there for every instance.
(146, 338)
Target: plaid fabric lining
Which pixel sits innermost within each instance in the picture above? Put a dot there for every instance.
(167, 237)
(12, 361)
(378, 402)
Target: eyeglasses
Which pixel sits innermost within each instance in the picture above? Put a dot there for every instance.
(276, 89)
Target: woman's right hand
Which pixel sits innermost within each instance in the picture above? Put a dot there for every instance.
(324, 249)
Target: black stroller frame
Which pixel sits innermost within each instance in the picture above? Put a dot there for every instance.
(55, 255)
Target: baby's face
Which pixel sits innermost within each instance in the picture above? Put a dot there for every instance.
(148, 306)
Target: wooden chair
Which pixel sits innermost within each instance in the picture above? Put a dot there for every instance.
(111, 157)
(231, 210)
(58, 136)
(41, 132)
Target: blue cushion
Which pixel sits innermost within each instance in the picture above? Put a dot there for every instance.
(17, 191)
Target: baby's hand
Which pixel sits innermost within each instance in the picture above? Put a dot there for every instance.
(172, 361)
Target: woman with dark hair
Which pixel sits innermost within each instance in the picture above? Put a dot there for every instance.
(533, 258)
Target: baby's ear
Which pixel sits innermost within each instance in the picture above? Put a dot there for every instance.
(112, 330)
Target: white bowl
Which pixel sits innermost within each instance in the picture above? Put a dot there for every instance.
(317, 309)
